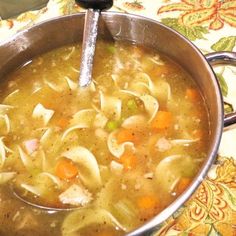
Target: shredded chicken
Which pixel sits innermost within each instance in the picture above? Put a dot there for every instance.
(31, 145)
(163, 145)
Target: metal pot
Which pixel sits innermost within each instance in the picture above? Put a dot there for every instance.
(135, 29)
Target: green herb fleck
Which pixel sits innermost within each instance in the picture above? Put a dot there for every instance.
(111, 49)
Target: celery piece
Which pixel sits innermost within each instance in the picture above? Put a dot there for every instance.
(125, 211)
(131, 104)
(35, 171)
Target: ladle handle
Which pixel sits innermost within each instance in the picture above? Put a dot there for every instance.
(219, 58)
(88, 46)
(94, 7)
(95, 4)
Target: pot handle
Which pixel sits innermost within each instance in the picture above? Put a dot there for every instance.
(222, 58)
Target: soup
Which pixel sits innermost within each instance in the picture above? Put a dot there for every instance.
(115, 153)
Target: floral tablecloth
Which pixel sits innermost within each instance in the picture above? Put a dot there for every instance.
(211, 25)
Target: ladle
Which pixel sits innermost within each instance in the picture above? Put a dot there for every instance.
(22, 198)
(94, 7)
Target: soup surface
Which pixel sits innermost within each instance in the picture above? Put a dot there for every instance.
(118, 151)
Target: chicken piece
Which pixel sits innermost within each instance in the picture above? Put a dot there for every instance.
(163, 145)
(31, 145)
(76, 195)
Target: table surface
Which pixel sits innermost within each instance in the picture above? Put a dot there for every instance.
(211, 26)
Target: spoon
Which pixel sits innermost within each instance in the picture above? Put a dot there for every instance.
(94, 7)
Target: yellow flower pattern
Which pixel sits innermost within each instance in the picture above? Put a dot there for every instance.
(213, 12)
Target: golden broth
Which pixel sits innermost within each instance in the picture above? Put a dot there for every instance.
(119, 151)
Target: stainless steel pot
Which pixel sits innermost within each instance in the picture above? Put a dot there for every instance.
(135, 29)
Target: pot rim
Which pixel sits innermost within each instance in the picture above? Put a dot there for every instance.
(176, 204)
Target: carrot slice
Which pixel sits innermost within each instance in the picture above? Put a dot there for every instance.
(125, 135)
(192, 94)
(128, 160)
(63, 123)
(147, 202)
(66, 169)
(162, 120)
(183, 184)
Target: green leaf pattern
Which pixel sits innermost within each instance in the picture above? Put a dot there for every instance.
(192, 33)
(223, 84)
(225, 44)
(228, 107)
(214, 232)
(230, 195)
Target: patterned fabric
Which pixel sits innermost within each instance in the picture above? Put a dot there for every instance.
(211, 26)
